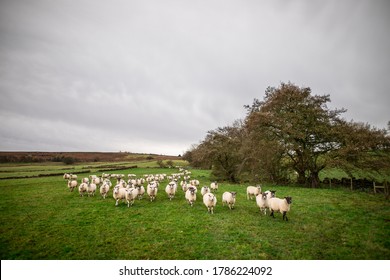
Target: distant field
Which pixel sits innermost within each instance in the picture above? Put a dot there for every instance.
(41, 219)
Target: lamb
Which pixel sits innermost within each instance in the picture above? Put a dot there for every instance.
(66, 176)
(171, 190)
(119, 193)
(252, 191)
(229, 198)
(85, 180)
(73, 176)
(281, 205)
(204, 190)
(91, 189)
(214, 186)
(152, 190)
(210, 201)
(83, 188)
(72, 184)
(191, 195)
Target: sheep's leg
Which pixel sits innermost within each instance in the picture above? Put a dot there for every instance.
(117, 201)
(272, 213)
(285, 215)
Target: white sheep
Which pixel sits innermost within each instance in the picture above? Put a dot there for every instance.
(72, 184)
(191, 195)
(73, 176)
(104, 188)
(96, 180)
(141, 191)
(281, 205)
(185, 186)
(229, 198)
(204, 190)
(170, 189)
(252, 191)
(152, 190)
(210, 201)
(66, 176)
(83, 188)
(195, 182)
(119, 193)
(91, 189)
(85, 180)
(131, 194)
(262, 200)
(214, 186)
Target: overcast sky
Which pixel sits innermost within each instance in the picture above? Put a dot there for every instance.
(155, 76)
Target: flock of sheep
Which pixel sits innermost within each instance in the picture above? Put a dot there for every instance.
(132, 189)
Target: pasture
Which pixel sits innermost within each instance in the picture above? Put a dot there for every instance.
(41, 219)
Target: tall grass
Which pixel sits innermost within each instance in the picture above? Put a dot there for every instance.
(41, 219)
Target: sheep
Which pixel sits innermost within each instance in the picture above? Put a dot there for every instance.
(191, 195)
(96, 180)
(104, 188)
(270, 194)
(214, 186)
(119, 193)
(170, 189)
(66, 176)
(141, 192)
(204, 190)
(229, 198)
(185, 186)
(73, 176)
(195, 183)
(83, 188)
(252, 191)
(281, 205)
(152, 190)
(262, 200)
(85, 180)
(210, 201)
(91, 189)
(72, 184)
(131, 194)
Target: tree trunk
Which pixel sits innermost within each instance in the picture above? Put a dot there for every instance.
(314, 179)
(301, 177)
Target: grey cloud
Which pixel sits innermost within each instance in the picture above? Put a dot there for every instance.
(158, 75)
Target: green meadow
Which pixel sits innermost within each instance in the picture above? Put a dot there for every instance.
(41, 219)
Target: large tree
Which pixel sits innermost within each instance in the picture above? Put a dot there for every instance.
(302, 124)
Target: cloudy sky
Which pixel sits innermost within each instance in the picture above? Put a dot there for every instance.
(155, 76)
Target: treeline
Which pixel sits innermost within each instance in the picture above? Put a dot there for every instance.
(290, 134)
(30, 158)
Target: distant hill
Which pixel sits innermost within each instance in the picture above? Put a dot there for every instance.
(27, 157)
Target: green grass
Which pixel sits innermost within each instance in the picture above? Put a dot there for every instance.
(41, 219)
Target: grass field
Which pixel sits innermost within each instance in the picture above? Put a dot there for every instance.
(41, 219)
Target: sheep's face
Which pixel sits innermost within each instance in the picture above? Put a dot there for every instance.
(233, 194)
(264, 195)
(288, 199)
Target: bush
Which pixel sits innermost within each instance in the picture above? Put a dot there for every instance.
(68, 160)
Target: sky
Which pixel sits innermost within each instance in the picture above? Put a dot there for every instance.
(154, 76)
